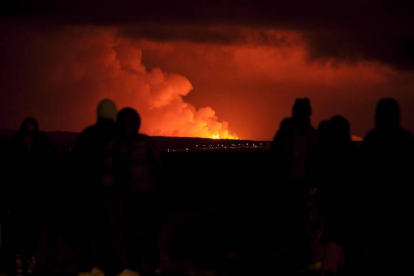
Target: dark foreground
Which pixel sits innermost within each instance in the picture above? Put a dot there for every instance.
(221, 212)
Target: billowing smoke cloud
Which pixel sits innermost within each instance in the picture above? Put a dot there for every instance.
(59, 74)
(253, 86)
(68, 70)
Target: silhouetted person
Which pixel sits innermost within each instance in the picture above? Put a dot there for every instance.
(294, 141)
(332, 171)
(137, 170)
(94, 159)
(332, 157)
(388, 147)
(387, 193)
(291, 150)
(28, 195)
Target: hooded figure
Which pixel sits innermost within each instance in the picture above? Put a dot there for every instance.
(388, 147)
(386, 196)
(90, 148)
(94, 164)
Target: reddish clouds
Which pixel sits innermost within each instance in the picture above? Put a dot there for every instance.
(253, 86)
(188, 88)
(83, 65)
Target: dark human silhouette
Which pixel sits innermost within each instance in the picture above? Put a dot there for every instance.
(329, 201)
(388, 147)
(332, 170)
(332, 158)
(291, 149)
(137, 170)
(91, 239)
(386, 195)
(294, 141)
(27, 194)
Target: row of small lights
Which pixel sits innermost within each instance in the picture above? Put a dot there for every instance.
(218, 145)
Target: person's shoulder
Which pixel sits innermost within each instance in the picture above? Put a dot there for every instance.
(16, 137)
(14, 141)
(405, 137)
(89, 129)
(312, 130)
(370, 135)
(42, 137)
(87, 132)
(85, 137)
(406, 133)
(145, 139)
(286, 122)
(42, 134)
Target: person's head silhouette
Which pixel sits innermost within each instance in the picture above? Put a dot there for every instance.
(29, 130)
(106, 110)
(128, 121)
(302, 109)
(29, 126)
(340, 129)
(324, 132)
(388, 114)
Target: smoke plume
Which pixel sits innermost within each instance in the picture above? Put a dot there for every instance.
(71, 69)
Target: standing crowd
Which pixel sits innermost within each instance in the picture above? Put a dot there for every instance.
(341, 207)
(351, 203)
(112, 227)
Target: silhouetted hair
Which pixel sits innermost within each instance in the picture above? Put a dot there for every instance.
(128, 121)
(324, 131)
(387, 114)
(302, 108)
(26, 126)
(340, 129)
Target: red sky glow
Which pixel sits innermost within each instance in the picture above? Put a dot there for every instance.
(240, 88)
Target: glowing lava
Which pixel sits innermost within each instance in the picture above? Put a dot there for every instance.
(216, 136)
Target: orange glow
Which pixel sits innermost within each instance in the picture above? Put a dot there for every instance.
(266, 79)
(356, 138)
(191, 88)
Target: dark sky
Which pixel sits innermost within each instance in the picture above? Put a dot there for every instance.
(198, 68)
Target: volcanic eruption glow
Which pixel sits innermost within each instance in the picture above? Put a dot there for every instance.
(187, 87)
(84, 65)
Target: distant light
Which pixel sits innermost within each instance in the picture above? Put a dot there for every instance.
(168, 150)
(196, 146)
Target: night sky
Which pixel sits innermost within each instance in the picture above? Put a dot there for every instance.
(202, 68)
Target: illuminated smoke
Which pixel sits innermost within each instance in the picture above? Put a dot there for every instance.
(85, 64)
(59, 74)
